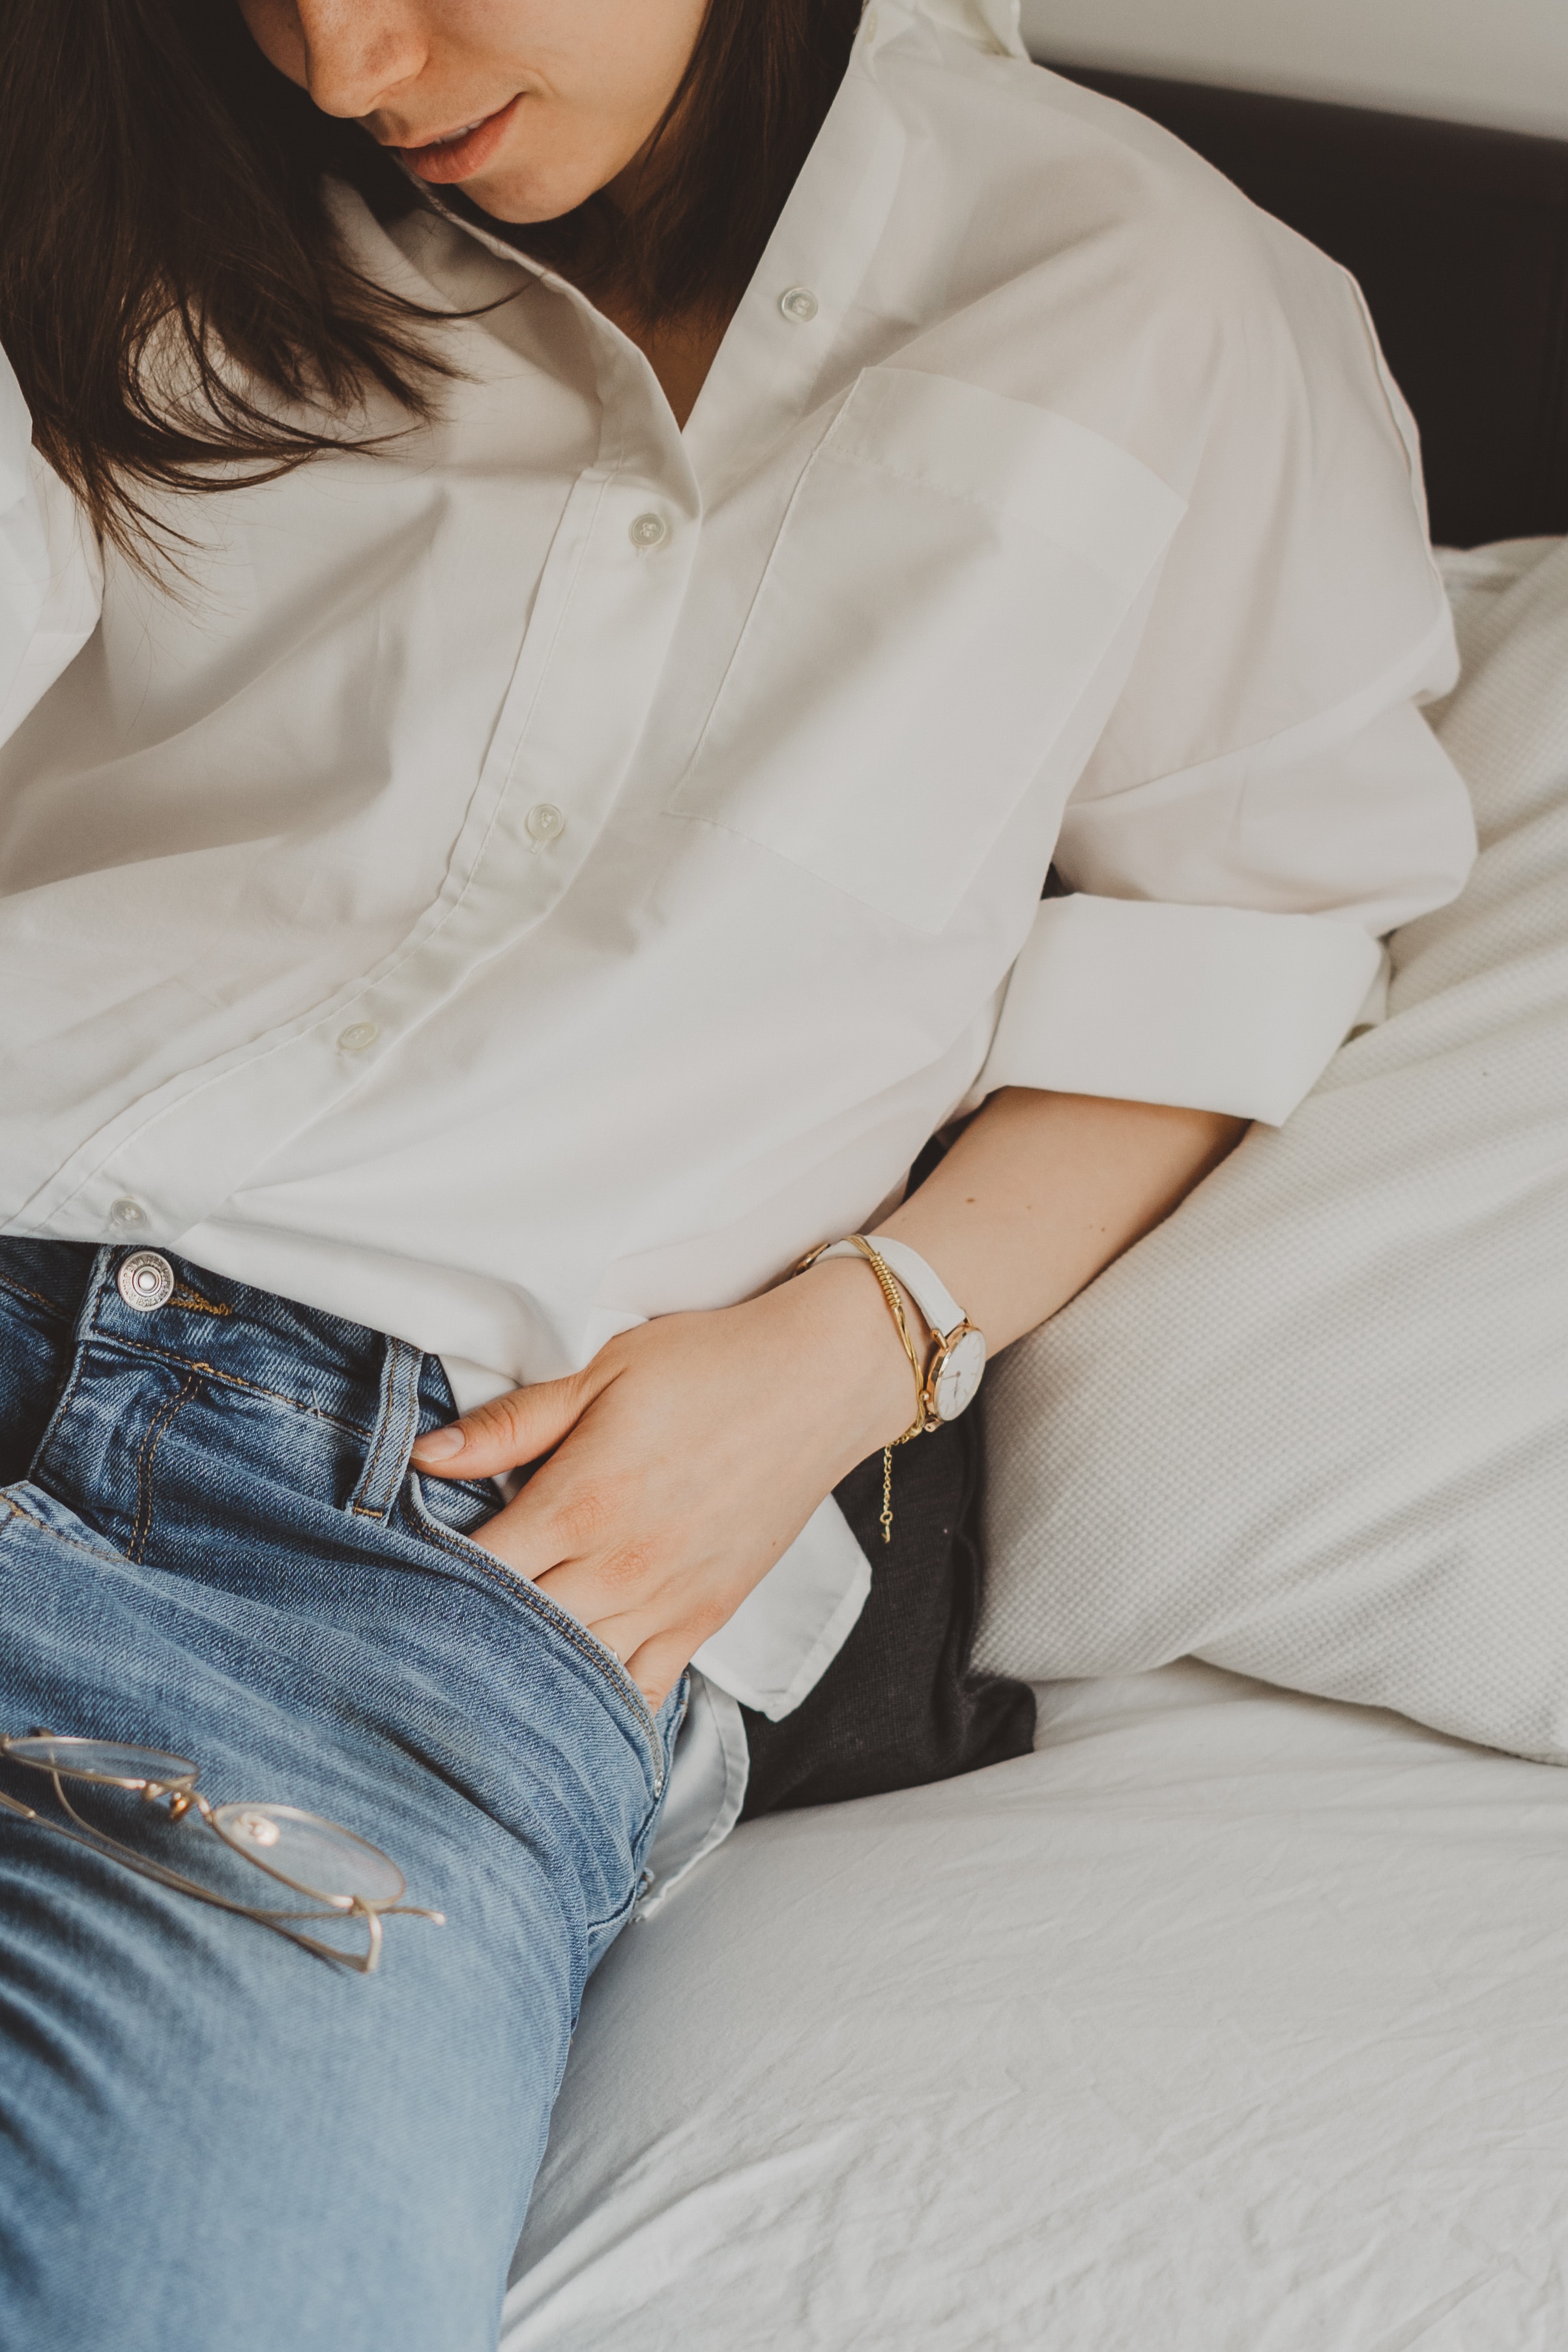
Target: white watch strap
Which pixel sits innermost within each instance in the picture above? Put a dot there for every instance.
(935, 1301)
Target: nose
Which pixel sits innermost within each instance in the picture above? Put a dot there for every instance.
(359, 54)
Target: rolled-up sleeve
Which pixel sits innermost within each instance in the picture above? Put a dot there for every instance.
(1218, 1008)
(1268, 801)
(1210, 1001)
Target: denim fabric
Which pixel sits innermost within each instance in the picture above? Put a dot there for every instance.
(211, 1541)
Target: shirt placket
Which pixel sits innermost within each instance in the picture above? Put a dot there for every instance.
(590, 665)
(594, 651)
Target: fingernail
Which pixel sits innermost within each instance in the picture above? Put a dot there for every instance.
(439, 1445)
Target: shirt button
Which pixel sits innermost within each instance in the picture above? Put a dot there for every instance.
(357, 1037)
(649, 530)
(127, 1215)
(545, 822)
(799, 303)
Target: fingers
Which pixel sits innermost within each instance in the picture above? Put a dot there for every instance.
(657, 1666)
(613, 1526)
(655, 1659)
(508, 1431)
(655, 1633)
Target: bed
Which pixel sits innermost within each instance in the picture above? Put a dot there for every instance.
(1229, 2021)
(1233, 2020)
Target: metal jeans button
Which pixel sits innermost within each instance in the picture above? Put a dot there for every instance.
(145, 1280)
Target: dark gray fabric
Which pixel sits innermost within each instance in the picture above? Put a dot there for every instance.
(1458, 237)
(900, 1704)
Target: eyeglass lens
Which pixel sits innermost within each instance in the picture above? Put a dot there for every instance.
(304, 1850)
(315, 1856)
(101, 1760)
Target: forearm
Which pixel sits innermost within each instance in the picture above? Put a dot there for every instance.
(693, 1449)
(1042, 1191)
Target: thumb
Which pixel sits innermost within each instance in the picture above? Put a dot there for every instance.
(511, 1429)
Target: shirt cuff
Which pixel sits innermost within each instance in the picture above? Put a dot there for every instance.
(788, 1632)
(708, 1778)
(1214, 1008)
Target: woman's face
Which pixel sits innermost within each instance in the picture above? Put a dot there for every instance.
(529, 105)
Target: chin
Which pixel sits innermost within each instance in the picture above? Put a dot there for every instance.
(520, 197)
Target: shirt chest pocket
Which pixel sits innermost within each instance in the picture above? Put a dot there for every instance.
(952, 571)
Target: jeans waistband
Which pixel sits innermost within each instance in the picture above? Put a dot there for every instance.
(366, 1384)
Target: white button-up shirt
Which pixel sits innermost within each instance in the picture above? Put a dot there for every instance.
(553, 870)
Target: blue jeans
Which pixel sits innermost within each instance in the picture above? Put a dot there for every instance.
(211, 1541)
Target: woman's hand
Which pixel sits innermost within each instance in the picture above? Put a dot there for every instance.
(690, 1453)
(685, 1458)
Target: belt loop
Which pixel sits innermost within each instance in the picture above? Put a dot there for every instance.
(392, 1439)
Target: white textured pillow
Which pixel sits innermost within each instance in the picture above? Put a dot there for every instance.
(1315, 1429)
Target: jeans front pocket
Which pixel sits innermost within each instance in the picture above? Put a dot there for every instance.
(952, 570)
(561, 1621)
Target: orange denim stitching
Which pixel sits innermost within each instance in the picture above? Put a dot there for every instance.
(156, 1427)
(361, 1510)
(519, 1587)
(10, 1508)
(194, 1300)
(408, 1424)
(21, 1290)
(234, 1380)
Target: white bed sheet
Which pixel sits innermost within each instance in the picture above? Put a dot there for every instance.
(1229, 2021)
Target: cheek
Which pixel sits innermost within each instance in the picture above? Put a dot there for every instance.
(274, 27)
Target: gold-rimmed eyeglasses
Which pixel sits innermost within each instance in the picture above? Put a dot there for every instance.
(335, 1867)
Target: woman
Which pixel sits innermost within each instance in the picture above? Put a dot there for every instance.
(581, 561)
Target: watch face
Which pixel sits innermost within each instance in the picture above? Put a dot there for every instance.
(957, 1382)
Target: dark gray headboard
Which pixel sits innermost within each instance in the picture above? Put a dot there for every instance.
(1459, 238)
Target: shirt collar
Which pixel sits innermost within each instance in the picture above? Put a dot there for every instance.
(989, 23)
(811, 271)
(822, 247)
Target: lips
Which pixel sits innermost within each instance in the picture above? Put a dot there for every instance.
(458, 158)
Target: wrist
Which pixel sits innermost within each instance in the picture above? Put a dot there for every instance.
(857, 1352)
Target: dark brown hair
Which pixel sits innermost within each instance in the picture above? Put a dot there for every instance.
(169, 271)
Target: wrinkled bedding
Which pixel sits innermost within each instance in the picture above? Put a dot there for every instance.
(1231, 2021)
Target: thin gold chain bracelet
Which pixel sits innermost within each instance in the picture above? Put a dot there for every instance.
(921, 1421)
